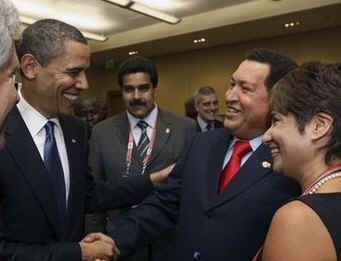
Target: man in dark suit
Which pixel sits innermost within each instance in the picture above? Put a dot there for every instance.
(114, 143)
(206, 104)
(218, 220)
(46, 188)
(9, 20)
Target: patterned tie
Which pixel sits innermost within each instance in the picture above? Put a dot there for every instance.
(239, 150)
(143, 143)
(55, 170)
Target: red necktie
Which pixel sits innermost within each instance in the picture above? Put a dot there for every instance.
(239, 150)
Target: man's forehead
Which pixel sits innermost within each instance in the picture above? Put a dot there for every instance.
(251, 71)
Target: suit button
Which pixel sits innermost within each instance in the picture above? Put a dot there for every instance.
(196, 255)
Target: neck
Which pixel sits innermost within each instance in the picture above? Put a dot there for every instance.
(322, 173)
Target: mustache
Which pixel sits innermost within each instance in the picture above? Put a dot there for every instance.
(137, 102)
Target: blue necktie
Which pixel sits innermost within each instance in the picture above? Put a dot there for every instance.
(55, 170)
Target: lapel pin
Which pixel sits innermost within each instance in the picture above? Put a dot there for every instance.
(266, 164)
(168, 130)
(73, 141)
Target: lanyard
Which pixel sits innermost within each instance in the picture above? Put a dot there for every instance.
(131, 146)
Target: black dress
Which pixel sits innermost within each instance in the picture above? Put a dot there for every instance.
(328, 207)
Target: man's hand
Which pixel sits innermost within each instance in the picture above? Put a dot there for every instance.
(159, 176)
(98, 247)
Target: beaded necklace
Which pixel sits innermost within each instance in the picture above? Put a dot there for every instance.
(330, 173)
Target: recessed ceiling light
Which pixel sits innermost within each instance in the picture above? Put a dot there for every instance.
(292, 24)
(133, 52)
(200, 40)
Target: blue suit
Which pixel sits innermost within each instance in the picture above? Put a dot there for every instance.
(229, 226)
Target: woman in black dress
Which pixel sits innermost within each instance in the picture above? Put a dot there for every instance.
(305, 143)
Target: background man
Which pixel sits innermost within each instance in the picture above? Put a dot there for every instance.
(115, 145)
(8, 63)
(207, 106)
(89, 111)
(218, 220)
(45, 185)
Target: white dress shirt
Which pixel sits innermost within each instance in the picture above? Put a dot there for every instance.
(150, 120)
(203, 124)
(254, 143)
(35, 123)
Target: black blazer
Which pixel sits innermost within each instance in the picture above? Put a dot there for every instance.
(28, 226)
(229, 226)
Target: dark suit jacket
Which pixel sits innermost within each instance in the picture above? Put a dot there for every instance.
(229, 226)
(108, 145)
(28, 225)
(217, 125)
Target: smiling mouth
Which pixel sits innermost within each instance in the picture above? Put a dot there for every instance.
(71, 97)
(274, 151)
(231, 111)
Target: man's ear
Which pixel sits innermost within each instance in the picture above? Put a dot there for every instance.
(321, 125)
(29, 66)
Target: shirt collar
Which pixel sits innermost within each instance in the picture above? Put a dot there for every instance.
(150, 118)
(254, 143)
(33, 119)
(203, 124)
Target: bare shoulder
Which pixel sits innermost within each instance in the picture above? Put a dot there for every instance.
(297, 233)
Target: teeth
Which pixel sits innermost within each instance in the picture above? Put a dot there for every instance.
(231, 109)
(71, 97)
(274, 150)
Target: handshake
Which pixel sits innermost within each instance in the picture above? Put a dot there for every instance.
(98, 247)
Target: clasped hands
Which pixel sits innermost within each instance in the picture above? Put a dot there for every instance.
(98, 247)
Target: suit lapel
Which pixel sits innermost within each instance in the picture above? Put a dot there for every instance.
(73, 144)
(24, 151)
(214, 167)
(119, 140)
(251, 172)
(121, 128)
(163, 132)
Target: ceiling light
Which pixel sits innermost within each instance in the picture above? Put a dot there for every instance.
(154, 13)
(123, 3)
(92, 36)
(200, 40)
(133, 52)
(292, 24)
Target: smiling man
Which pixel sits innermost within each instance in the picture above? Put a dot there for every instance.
(207, 106)
(137, 142)
(223, 192)
(9, 20)
(46, 188)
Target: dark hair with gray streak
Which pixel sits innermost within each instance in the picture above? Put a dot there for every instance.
(9, 21)
(45, 40)
(203, 91)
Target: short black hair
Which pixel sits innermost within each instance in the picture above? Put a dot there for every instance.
(308, 90)
(138, 64)
(279, 64)
(45, 40)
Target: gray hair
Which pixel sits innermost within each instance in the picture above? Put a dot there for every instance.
(205, 90)
(45, 40)
(9, 20)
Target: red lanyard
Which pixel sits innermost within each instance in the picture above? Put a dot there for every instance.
(131, 146)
